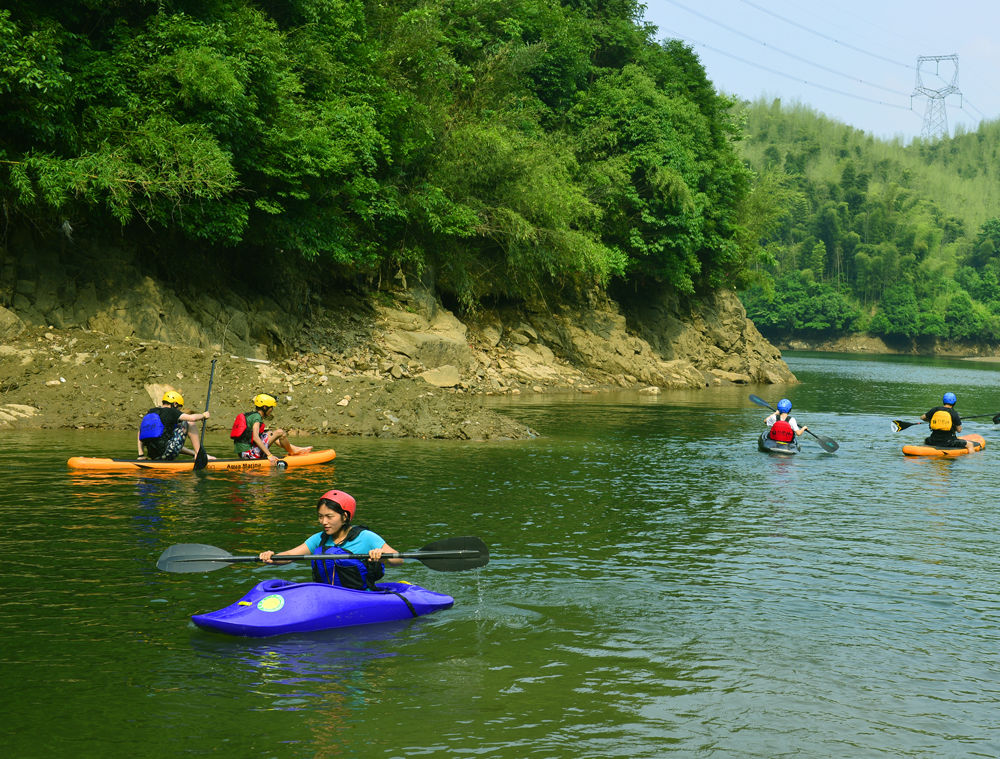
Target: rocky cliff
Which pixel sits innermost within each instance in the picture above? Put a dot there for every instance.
(347, 359)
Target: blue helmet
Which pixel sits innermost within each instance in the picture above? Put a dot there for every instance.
(950, 399)
(784, 405)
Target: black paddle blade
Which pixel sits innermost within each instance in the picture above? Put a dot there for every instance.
(201, 460)
(761, 402)
(899, 424)
(193, 557)
(468, 553)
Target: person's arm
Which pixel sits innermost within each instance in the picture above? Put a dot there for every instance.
(376, 555)
(299, 550)
(138, 443)
(194, 417)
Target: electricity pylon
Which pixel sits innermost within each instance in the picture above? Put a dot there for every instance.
(935, 117)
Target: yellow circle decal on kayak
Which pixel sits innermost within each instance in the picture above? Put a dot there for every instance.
(271, 603)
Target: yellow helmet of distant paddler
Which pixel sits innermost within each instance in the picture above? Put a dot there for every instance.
(264, 400)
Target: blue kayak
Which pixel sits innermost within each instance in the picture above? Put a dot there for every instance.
(277, 607)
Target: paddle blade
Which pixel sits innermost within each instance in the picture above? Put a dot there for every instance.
(201, 460)
(761, 402)
(899, 424)
(468, 553)
(193, 557)
(827, 444)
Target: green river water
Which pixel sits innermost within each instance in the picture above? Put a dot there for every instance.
(657, 587)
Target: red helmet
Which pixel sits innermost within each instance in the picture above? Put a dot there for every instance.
(342, 499)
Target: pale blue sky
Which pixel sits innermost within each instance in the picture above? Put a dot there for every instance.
(853, 60)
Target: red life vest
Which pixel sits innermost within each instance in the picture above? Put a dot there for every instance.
(241, 433)
(782, 432)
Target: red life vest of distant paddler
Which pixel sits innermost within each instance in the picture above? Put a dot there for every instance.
(782, 432)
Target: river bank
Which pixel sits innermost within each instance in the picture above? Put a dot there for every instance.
(872, 344)
(408, 368)
(92, 335)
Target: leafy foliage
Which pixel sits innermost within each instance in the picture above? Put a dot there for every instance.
(906, 235)
(500, 148)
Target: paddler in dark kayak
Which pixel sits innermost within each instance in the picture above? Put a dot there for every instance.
(252, 439)
(163, 430)
(945, 425)
(782, 426)
(336, 510)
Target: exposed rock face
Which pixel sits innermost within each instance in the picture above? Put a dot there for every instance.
(594, 342)
(717, 338)
(575, 345)
(313, 337)
(10, 325)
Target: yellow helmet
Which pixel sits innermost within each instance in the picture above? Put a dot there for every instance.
(172, 396)
(264, 400)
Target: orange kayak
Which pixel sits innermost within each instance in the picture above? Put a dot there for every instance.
(243, 465)
(930, 450)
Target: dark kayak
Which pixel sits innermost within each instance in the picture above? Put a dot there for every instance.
(765, 444)
(277, 607)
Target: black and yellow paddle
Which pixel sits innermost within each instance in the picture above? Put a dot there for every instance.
(826, 443)
(447, 555)
(899, 424)
(201, 457)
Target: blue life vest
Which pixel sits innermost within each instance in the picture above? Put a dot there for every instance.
(151, 427)
(346, 573)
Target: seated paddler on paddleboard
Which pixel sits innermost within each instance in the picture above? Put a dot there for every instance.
(250, 436)
(163, 430)
(339, 536)
(945, 424)
(782, 426)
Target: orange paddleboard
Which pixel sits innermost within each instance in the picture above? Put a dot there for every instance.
(134, 465)
(930, 450)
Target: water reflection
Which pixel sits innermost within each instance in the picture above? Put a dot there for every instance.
(310, 671)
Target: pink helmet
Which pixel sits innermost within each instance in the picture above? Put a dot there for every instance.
(342, 499)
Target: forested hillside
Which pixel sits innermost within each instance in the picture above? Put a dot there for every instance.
(500, 149)
(899, 241)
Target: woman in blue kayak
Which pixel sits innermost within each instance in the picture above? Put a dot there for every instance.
(336, 510)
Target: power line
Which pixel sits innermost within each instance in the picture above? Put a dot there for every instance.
(965, 102)
(788, 76)
(785, 52)
(824, 36)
